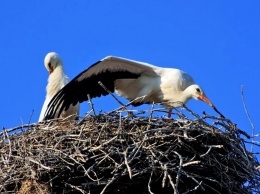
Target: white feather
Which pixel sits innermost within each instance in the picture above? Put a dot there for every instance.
(56, 81)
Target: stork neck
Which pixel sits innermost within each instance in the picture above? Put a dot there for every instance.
(57, 79)
(186, 95)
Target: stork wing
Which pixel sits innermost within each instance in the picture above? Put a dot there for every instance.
(107, 71)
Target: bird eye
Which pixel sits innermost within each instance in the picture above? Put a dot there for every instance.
(49, 65)
(198, 90)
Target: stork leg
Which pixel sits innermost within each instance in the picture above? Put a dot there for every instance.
(170, 113)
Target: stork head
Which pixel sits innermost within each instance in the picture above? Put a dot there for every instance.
(197, 93)
(51, 61)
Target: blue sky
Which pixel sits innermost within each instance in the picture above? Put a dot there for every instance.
(217, 42)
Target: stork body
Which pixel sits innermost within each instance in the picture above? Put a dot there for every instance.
(56, 81)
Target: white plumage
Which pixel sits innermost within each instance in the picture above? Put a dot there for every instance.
(130, 79)
(57, 80)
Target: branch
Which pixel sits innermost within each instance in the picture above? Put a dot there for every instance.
(249, 118)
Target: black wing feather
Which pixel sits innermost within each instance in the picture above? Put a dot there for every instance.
(78, 89)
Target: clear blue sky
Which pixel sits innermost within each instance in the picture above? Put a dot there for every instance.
(217, 42)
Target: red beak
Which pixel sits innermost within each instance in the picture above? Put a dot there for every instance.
(204, 98)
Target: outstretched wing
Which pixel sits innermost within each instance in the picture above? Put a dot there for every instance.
(106, 71)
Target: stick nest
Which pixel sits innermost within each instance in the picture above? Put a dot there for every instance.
(126, 154)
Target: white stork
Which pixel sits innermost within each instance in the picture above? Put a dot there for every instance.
(57, 80)
(130, 79)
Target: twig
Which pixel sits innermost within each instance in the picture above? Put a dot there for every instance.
(195, 180)
(248, 116)
(127, 165)
(172, 184)
(194, 189)
(210, 147)
(10, 146)
(103, 144)
(191, 163)
(91, 104)
(123, 106)
(149, 183)
(190, 111)
(228, 121)
(108, 91)
(19, 127)
(179, 169)
(109, 183)
(76, 188)
(215, 109)
(157, 129)
(165, 173)
(31, 117)
(34, 161)
(84, 118)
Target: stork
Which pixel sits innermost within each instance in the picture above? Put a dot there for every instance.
(56, 81)
(130, 79)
